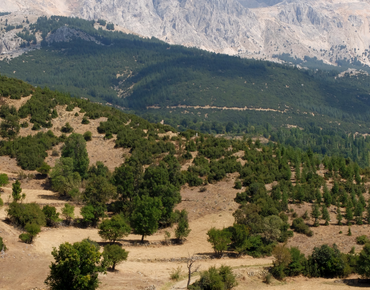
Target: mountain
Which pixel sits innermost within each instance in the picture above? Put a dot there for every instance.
(187, 86)
(299, 31)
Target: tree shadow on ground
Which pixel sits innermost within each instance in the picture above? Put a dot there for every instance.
(361, 283)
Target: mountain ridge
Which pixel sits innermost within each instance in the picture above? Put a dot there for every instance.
(332, 32)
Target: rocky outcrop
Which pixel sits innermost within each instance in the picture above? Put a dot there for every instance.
(299, 28)
(65, 34)
(327, 30)
(210, 24)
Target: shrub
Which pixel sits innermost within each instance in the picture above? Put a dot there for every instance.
(85, 121)
(68, 212)
(1, 202)
(36, 127)
(176, 274)
(238, 184)
(267, 279)
(32, 230)
(182, 230)
(2, 245)
(25, 238)
(67, 128)
(362, 240)
(349, 233)
(299, 226)
(24, 125)
(222, 278)
(167, 237)
(51, 215)
(44, 169)
(4, 180)
(305, 215)
(202, 189)
(21, 214)
(87, 136)
(187, 155)
(55, 153)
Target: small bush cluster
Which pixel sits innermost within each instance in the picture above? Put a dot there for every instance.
(221, 278)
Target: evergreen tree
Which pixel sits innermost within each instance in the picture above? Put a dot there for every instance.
(316, 214)
(339, 216)
(327, 196)
(349, 214)
(284, 201)
(325, 215)
(368, 213)
(358, 213)
(182, 230)
(318, 197)
(75, 148)
(17, 191)
(300, 193)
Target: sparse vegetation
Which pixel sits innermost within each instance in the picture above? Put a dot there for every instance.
(143, 191)
(2, 245)
(221, 278)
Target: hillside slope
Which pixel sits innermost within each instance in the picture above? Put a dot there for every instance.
(221, 183)
(150, 76)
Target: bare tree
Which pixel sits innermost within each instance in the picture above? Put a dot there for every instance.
(191, 267)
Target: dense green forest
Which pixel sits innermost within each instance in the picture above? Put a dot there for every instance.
(134, 73)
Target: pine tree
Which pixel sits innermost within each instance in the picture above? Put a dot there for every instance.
(344, 199)
(349, 232)
(298, 172)
(359, 209)
(349, 214)
(17, 191)
(368, 213)
(327, 196)
(325, 215)
(318, 197)
(284, 201)
(316, 214)
(300, 194)
(339, 216)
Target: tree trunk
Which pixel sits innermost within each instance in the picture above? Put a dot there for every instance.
(142, 238)
(114, 266)
(189, 277)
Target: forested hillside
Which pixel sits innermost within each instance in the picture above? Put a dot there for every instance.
(186, 85)
(141, 194)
